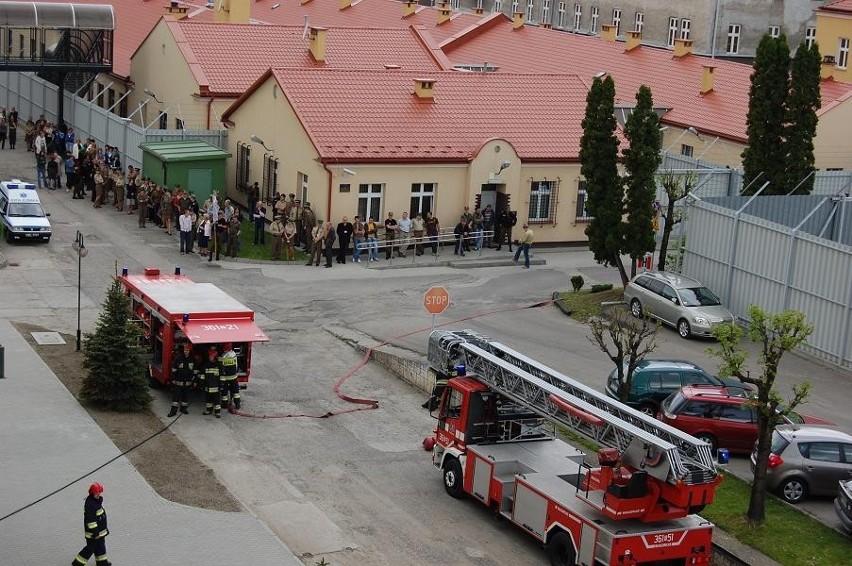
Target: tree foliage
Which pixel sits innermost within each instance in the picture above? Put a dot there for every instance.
(676, 187)
(776, 334)
(641, 160)
(626, 341)
(116, 375)
(599, 168)
(803, 101)
(766, 116)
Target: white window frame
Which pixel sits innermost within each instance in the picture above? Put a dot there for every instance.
(419, 193)
(578, 15)
(687, 150)
(732, 46)
(774, 31)
(810, 36)
(541, 201)
(530, 10)
(582, 200)
(843, 53)
(545, 11)
(367, 194)
(515, 4)
(302, 184)
(479, 4)
(593, 25)
(673, 22)
(269, 186)
(616, 20)
(686, 29)
(498, 6)
(639, 22)
(455, 4)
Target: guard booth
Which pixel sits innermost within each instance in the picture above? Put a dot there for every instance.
(173, 309)
(195, 165)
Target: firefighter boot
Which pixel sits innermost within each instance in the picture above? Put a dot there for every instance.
(173, 411)
(184, 410)
(237, 403)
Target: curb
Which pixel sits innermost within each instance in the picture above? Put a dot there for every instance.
(558, 304)
(3, 261)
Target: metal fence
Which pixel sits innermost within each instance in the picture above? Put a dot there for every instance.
(33, 96)
(751, 260)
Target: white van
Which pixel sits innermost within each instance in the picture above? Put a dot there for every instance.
(21, 212)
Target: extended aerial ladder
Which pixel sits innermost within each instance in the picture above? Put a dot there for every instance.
(682, 465)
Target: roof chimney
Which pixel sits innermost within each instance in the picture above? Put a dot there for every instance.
(317, 43)
(444, 12)
(303, 2)
(826, 67)
(175, 9)
(232, 11)
(408, 8)
(345, 4)
(682, 47)
(707, 78)
(546, 25)
(608, 32)
(518, 20)
(634, 40)
(424, 89)
(479, 10)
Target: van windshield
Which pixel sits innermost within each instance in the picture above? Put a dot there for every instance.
(25, 209)
(698, 297)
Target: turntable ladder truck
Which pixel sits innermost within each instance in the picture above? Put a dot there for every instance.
(496, 441)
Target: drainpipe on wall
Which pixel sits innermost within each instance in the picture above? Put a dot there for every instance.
(209, 110)
(715, 29)
(328, 202)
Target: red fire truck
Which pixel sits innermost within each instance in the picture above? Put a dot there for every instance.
(173, 309)
(496, 441)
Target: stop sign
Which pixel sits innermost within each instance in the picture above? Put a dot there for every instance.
(436, 300)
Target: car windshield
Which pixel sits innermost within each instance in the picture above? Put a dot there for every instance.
(698, 297)
(779, 443)
(25, 209)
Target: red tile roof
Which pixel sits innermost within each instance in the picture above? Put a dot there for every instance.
(227, 58)
(837, 6)
(368, 116)
(675, 82)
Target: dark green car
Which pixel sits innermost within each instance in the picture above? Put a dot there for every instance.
(654, 380)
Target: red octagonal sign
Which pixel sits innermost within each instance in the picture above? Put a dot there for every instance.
(436, 300)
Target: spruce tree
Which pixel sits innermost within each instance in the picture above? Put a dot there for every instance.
(116, 375)
(803, 101)
(641, 161)
(599, 168)
(766, 117)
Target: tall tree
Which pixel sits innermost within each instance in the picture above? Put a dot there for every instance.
(641, 161)
(116, 377)
(803, 101)
(676, 186)
(776, 334)
(766, 116)
(599, 168)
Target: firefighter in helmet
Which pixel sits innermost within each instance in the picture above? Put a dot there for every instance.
(183, 378)
(229, 386)
(211, 372)
(95, 522)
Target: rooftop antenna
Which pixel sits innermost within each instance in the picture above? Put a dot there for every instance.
(305, 31)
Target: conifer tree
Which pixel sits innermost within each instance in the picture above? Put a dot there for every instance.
(641, 161)
(766, 117)
(803, 101)
(115, 378)
(599, 168)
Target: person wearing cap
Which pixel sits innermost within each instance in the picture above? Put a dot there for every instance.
(96, 531)
(524, 245)
(277, 230)
(316, 236)
(309, 221)
(290, 240)
(259, 217)
(211, 373)
(182, 379)
(295, 216)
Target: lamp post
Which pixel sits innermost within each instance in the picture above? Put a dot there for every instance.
(80, 247)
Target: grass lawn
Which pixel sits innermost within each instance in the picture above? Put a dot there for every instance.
(787, 535)
(586, 304)
(262, 251)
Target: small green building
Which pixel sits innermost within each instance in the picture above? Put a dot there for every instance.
(195, 165)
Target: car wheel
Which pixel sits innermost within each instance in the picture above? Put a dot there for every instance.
(453, 477)
(648, 409)
(708, 438)
(560, 550)
(636, 308)
(793, 490)
(683, 328)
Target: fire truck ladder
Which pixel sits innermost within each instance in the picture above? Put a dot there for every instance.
(567, 402)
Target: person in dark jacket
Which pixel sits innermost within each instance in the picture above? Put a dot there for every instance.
(211, 373)
(344, 234)
(461, 231)
(95, 523)
(183, 378)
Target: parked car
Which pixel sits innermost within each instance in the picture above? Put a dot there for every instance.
(718, 416)
(654, 380)
(678, 301)
(806, 460)
(843, 505)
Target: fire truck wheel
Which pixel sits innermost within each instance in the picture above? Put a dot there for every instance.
(560, 550)
(453, 478)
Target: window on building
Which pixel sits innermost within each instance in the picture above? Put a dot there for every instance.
(775, 31)
(685, 29)
(163, 121)
(578, 15)
(179, 124)
(810, 36)
(302, 184)
(479, 4)
(498, 5)
(422, 199)
(581, 215)
(530, 9)
(672, 32)
(639, 22)
(686, 150)
(111, 98)
(732, 46)
(122, 107)
(515, 4)
(99, 88)
(593, 25)
(545, 11)
(243, 162)
(542, 201)
(455, 4)
(616, 21)
(843, 53)
(370, 201)
(269, 187)
(345, 187)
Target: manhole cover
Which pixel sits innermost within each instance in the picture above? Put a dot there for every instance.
(47, 338)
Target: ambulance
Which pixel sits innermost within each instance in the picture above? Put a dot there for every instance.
(21, 212)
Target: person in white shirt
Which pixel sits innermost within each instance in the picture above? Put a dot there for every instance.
(185, 225)
(404, 226)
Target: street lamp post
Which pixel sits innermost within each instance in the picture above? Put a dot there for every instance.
(80, 248)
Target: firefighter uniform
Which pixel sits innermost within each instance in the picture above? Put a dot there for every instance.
(183, 378)
(95, 523)
(211, 372)
(230, 387)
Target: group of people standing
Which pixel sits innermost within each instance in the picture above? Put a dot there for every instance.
(8, 127)
(216, 376)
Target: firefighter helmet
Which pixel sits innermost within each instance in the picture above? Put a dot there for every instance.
(96, 489)
(228, 346)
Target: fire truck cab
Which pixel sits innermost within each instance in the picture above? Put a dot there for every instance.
(173, 309)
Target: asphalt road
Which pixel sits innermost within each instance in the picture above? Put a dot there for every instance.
(355, 488)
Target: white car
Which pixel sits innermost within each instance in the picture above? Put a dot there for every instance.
(21, 212)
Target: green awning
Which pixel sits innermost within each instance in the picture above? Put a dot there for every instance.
(187, 150)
